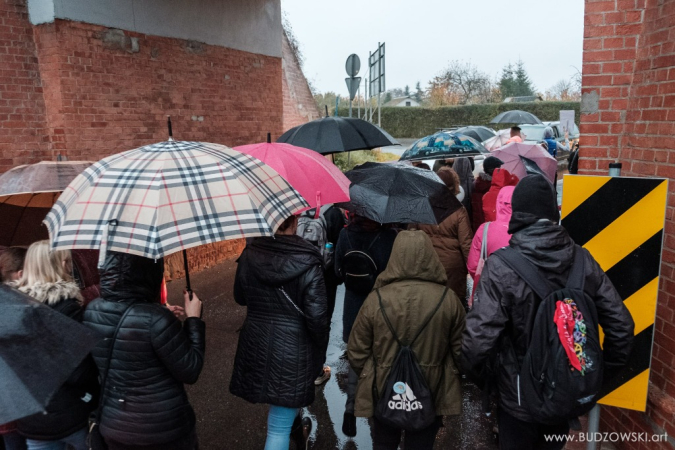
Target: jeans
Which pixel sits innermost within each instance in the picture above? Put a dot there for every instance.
(279, 423)
(389, 438)
(76, 441)
(514, 434)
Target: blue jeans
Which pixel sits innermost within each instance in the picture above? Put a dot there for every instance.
(77, 441)
(279, 423)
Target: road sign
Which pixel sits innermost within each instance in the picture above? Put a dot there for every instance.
(353, 65)
(620, 221)
(353, 86)
(377, 77)
(567, 120)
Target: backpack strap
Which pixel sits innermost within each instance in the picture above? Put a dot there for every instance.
(104, 378)
(577, 272)
(424, 324)
(373, 243)
(526, 270)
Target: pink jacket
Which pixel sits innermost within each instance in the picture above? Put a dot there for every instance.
(498, 234)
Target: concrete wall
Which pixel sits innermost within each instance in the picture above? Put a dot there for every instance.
(249, 25)
(628, 113)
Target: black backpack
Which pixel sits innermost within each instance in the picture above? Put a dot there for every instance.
(359, 269)
(548, 385)
(406, 402)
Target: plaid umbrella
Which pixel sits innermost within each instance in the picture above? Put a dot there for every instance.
(156, 200)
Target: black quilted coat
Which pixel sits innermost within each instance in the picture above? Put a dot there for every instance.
(153, 356)
(280, 351)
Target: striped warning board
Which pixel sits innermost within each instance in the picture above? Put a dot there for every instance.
(620, 222)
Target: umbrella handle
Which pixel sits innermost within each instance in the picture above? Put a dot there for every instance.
(188, 286)
(318, 205)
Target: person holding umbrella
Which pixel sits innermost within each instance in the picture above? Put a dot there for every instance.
(282, 344)
(46, 278)
(515, 136)
(145, 357)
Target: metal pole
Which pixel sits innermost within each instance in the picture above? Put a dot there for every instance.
(594, 414)
(358, 100)
(350, 107)
(379, 110)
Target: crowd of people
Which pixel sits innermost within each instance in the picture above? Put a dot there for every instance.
(406, 302)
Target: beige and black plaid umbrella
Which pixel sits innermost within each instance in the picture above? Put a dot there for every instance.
(156, 200)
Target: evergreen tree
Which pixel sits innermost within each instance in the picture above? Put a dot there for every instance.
(523, 83)
(387, 97)
(406, 91)
(419, 93)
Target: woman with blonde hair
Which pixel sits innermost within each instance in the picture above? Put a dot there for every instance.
(47, 278)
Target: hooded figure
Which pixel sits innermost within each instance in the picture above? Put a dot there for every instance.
(498, 232)
(496, 337)
(480, 186)
(282, 345)
(500, 178)
(411, 287)
(144, 400)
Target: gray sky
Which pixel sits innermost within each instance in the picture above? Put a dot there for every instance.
(423, 36)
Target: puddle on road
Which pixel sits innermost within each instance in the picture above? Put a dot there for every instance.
(333, 391)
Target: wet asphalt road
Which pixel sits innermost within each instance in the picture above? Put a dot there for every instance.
(228, 422)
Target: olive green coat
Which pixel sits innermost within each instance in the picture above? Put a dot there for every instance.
(411, 287)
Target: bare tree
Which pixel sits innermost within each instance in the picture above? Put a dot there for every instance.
(461, 83)
(564, 90)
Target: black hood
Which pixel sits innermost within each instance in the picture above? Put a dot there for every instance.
(283, 258)
(546, 245)
(126, 277)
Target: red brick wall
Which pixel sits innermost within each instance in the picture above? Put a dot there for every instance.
(629, 100)
(299, 105)
(103, 99)
(22, 110)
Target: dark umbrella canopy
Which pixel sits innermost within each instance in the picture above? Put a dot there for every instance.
(398, 193)
(516, 116)
(479, 133)
(337, 134)
(39, 349)
(444, 144)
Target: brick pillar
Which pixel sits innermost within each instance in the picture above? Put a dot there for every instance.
(628, 113)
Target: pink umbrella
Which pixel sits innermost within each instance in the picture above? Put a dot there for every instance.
(511, 155)
(318, 180)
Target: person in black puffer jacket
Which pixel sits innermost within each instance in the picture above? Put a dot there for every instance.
(145, 405)
(46, 278)
(282, 344)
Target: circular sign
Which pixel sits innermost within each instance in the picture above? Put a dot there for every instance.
(353, 65)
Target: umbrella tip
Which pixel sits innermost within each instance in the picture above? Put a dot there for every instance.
(269, 138)
(326, 110)
(168, 124)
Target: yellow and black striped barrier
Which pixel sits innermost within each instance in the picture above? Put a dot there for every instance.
(620, 221)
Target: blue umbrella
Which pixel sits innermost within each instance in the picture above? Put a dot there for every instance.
(444, 144)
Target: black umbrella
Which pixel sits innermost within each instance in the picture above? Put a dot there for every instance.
(398, 193)
(516, 116)
(39, 349)
(479, 133)
(337, 134)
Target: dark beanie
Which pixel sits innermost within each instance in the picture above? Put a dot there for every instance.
(533, 199)
(491, 163)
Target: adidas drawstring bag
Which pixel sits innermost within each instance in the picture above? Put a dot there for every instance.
(406, 401)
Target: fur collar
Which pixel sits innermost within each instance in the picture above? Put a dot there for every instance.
(485, 176)
(52, 293)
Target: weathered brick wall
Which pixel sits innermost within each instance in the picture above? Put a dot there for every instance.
(22, 109)
(299, 105)
(104, 96)
(628, 113)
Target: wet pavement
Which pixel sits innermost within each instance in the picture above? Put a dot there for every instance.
(228, 422)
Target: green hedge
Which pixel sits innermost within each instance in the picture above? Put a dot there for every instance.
(412, 122)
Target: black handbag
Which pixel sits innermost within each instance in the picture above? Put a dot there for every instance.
(95, 440)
